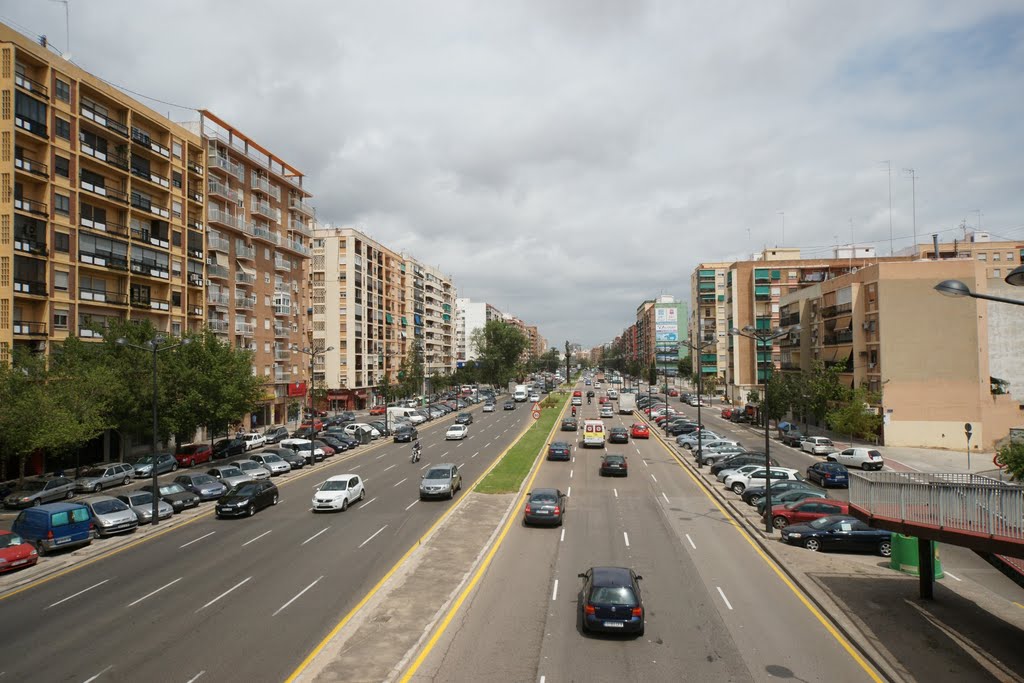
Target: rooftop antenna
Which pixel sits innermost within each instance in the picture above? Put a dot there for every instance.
(913, 190)
(783, 214)
(853, 245)
(67, 28)
(888, 167)
(978, 211)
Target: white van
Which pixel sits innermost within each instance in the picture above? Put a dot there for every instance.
(613, 394)
(593, 433)
(520, 395)
(407, 414)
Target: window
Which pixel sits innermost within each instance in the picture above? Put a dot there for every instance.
(995, 256)
(60, 320)
(176, 179)
(62, 128)
(176, 208)
(63, 91)
(62, 242)
(176, 238)
(176, 298)
(62, 204)
(995, 272)
(60, 280)
(62, 166)
(982, 257)
(176, 150)
(176, 329)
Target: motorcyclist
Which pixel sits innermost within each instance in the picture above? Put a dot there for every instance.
(588, 400)
(416, 450)
(574, 411)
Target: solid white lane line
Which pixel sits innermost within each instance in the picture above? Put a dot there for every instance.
(400, 483)
(666, 498)
(196, 540)
(953, 576)
(279, 609)
(374, 535)
(568, 492)
(692, 544)
(616, 492)
(86, 590)
(368, 502)
(722, 593)
(93, 678)
(315, 535)
(257, 538)
(562, 537)
(389, 467)
(554, 592)
(570, 474)
(411, 504)
(626, 537)
(237, 585)
(654, 478)
(149, 595)
(196, 677)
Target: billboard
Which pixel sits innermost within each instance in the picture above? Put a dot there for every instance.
(666, 336)
(666, 315)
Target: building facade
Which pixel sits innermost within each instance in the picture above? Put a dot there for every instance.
(660, 324)
(471, 316)
(433, 307)
(708, 323)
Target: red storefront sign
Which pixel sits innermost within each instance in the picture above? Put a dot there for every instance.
(297, 389)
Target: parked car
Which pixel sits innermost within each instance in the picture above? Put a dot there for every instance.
(305, 448)
(806, 511)
(679, 428)
(612, 464)
(254, 440)
(726, 413)
(273, 462)
(753, 494)
(39, 491)
(316, 426)
(190, 454)
(793, 438)
(839, 532)
(457, 432)
(738, 482)
(610, 600)
(789, 496)
(110, 515)
(206, 486)
(829, 474)
(559, 450)
(355, 428)
(253, 469)
(55, 525)
(618, 435)
(16, 552)
(716, 451)
(228, 448)
(733, 462)
(247, 499)
(141, 503)
(101, 475)
(864, 458)
(338, 492)
(570, 424)
(175, 495)
(640, 431)
(817, 445)
(275, 434)
(327, 449)
(229, 475)
(294, 460)
(689, 441)
(724, 474)
(165, 462)
(441, 481)
(378, 410)
(544, 506)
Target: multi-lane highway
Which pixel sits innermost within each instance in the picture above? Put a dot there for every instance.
(241, 599)
(717, 609)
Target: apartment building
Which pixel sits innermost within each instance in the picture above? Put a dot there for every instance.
(98, 195)
(258, 223)
(937, 362)
(430, 303)
(708, 319)
(658, 324)
(470, 317)
(997, 257)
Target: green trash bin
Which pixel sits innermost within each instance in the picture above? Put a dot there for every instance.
(905, 556)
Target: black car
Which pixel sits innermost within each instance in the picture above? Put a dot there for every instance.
(752, 496)
(559, 450)
(739, 461)
(839, 532)
(544, 506)
(228, 448)
(793, 438)
(275, 434)
(305, 433)
(618, 435)
(175, 495)
(203, 485)
(464, 419)
(380, 427)
(611, 601)
(406, 433)
(681, 428)
(570, 424)
(349, 441)
(334, 442)
(346, 416)
(509, 405)
(294, 459)
(247, 498)
(590, 394)
(614, 464)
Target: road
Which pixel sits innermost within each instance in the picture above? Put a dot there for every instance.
(239, 599)
(716, 608)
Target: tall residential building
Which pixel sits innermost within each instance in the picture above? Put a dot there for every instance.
(430, 301)
(470, 317)
(97, 195)
(259, 223)
(708, 313)
(660, 324)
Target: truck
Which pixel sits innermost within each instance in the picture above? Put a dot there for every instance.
(520, 394)
(627, 404)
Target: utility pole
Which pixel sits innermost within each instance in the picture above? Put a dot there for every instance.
(888, 165)
(783, 214)
(567, 355)
(913, 195)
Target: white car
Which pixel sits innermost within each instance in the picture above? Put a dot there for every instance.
(864, 458)
(273, 462)
(534, 398)
(354, 428)
(456, 432)
(689, 441)
(415, 418)
(338, 492)
(817, 445)
(724, 475)
(488, 408)
(740, 482)
(254, 440)
(606, 410)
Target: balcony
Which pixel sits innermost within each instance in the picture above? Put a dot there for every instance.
(244, 279)
(218, 326)
(30, 165)
(91, 114)
(217, 271)
(281, 331)
(145, 301)
(142, 138)
(102, 296)
(789, 320)
(105, 192)
(29, 329)
(147, 204)
(104, 260)
(263, 185)
(219, 299)
(148, 267)
(299, 226)
(264, 234)
(144, 235)
(296, 246)
(218, 244)
(29, 287)
(29, 85)
(282, 264)
(195, 279)
(32, 247)
(118, 161)
(217, 162)
(195, 222)
(149, 176)
(282, 354)
(839, 337)
(215, 188)
(244, 329)
(246, 303)
(245, 252)
(194, 195)
(282, 309)
(31, 206)
(837, 310)
(215, 215)
(194, 167)
(282, 375)
(296, 204)
(196, 311)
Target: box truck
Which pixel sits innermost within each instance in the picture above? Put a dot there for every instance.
(627, 404)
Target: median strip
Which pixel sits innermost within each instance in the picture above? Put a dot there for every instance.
(510, 472)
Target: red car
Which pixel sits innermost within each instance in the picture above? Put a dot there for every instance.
(193, 453)
(577, 394)
(726, 413)
(317, 424)
(602, 400)
(640, 431)
(378, 410)
(807, 510)
(16, 552)
(673, 392)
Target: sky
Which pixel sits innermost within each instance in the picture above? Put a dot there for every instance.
(564, 160)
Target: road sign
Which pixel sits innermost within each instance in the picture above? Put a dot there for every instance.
(536, 407)
(536, 414)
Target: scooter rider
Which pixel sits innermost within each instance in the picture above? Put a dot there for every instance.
(416, 451)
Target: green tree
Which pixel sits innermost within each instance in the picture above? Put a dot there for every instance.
(710, 384)
(778, 396)
(854, 416)
(1012, 457)
(818, 389)
(411, 372)
(499, 347)
(685, 366)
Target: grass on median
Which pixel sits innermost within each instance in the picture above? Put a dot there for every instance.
(508, 475)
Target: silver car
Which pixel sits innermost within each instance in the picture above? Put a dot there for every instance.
(205, 486)
(111, 515)
(441, 481)
(252, 469)
(104, 474)
(39, 491)
(141, 503)
(273, 462)
(229, 475)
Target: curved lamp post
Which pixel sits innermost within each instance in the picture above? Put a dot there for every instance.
(312, 353)
(956, 288)
(698, 348)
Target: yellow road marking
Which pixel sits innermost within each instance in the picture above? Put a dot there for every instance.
(1019, 605)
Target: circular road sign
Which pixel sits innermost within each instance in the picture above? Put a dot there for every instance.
(536, 415)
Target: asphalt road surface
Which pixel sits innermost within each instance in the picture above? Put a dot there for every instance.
(239, 599)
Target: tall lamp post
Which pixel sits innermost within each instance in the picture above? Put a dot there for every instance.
(698, 348)
(764, 339)
(155, 346)
(312, 353)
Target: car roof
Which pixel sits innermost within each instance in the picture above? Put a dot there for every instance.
(611, 576)
(95, 499)
(57, 507)
(341, 477)
(442, 465)
(544, 491)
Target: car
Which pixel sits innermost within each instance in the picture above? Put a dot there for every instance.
(227, 448)
(355, 428)
(323, 447)
(724, 474)
(806, 510)
(839, 532)
(16, 552)
(406, 434)
(254, 440)
(864, 458)
(577, 401)
(606, 411)
(464, 419)
(306, 433)
(165, 462)
(611, 601)
(110, 515)
(273, 462)
(190, 454)
(488, 407)
(640, 431)
(509, 405)
(793, 438)
(206, 486)
(544, 506)
(612, 464)
(618, 435)
(534, 398)
(247, 499)
(335, 441)
(689, 441)
(418, 418)
(176, 495)
(380, 427)
(275, 434)
(559, 450)
(379, 410)
(229, 475)
(828, 474)
(603, 400)
(55, 526)
(141, 503)
(726, 413)
(441, 481)
(738, 482)
(294, 460)
(817, 445)
(346, 416)
(570, 424)
(338, 492)
(709, 455)
(306, 448)
(38, 491)
(590, 394)
(673, 392)
(456, 432)
(682, 428)
(252, 469)
(97, 477)
(577, 393)
(789, 496)
(733, 462)
(753, 494)
(315, 425)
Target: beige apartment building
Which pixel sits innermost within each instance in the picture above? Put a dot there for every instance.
(708, 319)
(938, 362)
(101, 206)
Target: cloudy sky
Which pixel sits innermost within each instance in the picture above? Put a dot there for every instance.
(565, 160)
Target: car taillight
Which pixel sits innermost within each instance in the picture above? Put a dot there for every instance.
(638, 611)
(589, 609)
(527, 508)
(624, 464)
(49, 534)
(558, 510)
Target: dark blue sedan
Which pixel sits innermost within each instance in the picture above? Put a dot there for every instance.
(839, 532)
(829, 475)
(612, 602)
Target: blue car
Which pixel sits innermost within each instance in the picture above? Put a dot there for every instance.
(829, 475)
(611, 601)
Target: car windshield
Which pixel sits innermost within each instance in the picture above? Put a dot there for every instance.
(188, 449)
(231, 472)
(93, 472)
(245, 490)
(822, 523)
(32, 485)
(103, 507)
(270, 457)
(143, 498)
(613, 595)
(10, 540)
(271, 431)
(249, 465)
(335, 485)
(200, 479)
(145, 460)
(546, 497)
(168, 489)
(437, 473)
(613, 458)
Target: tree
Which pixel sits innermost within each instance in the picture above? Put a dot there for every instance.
(1012, 457)
(818, 389)
(411, 372)
(685, 366)
(854, 416)
(710, 384)
(778, 396)
(500, 347)
(652, 374)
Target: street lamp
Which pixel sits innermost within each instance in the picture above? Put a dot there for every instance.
(764, 338)
(956, 288)
(698, 348)
(312, 353)
(154, 345)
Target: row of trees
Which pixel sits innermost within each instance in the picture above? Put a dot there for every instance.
(499, 347)
(59, 403)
